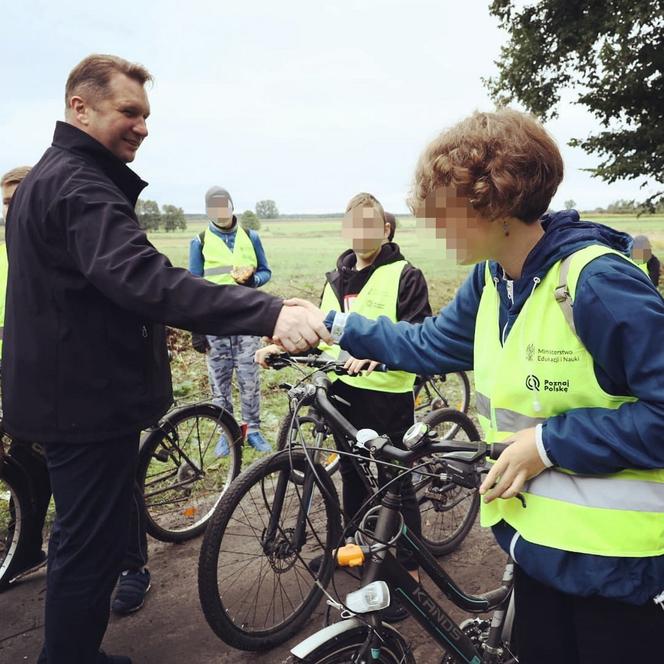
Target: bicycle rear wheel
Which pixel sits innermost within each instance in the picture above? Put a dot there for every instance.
(448, 511)
(182, 478)
(256, 578)
(443, 391)
(15, 508)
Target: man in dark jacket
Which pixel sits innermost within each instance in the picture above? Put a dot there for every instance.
(85, 364)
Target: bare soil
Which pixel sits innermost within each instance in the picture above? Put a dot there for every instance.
(171, 629)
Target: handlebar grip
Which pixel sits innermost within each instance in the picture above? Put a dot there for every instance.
(497, 449)
(381, 367)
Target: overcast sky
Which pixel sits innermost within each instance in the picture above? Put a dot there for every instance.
(302, 102)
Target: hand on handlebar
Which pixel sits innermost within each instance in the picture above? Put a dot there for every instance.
(263, 353)
(354, 366)
(515, 466)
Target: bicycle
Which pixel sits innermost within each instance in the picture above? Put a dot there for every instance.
(182, 478)
(448, 511)
(362, 637)
(15, 508)
(275, 520)
(450, 390)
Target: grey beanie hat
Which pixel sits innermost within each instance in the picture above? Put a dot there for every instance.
(641, 242)
(217, 192)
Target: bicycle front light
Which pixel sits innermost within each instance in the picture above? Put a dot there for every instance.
(372, 597)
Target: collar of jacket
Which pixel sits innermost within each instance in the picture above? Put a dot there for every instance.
(70, 138)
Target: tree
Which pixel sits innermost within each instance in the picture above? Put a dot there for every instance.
(570, 204)
(267, 209)
(149, 217)
(249, 221)
(173, 218)
(612, 53)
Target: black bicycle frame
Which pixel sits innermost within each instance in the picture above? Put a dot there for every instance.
(424, 608)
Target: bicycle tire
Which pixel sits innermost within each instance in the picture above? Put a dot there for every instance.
(344, 648)
(237, 550)
(296, 430)
(436, 392)
(15, 507)
(448, 511)
(181, 478)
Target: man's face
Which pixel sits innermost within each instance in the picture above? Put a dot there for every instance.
(118, 120)
(468, 235)
(220, 211)
(365, 228)
(7, 193)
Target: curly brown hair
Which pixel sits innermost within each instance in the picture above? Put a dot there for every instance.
(505, 162)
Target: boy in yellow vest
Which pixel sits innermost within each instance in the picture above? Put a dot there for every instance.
(373, 278)
(577, 390)
(225, 253)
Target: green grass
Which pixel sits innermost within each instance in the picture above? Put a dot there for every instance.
(301, 252)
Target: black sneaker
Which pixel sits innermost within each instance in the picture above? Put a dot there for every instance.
(133, 585)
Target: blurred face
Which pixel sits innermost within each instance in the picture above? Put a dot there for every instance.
(118, 120)
(7, 193)
(220, 211)
(641, 254)
(468, 235)
(366, 230)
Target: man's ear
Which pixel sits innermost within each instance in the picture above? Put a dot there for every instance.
(79, 111)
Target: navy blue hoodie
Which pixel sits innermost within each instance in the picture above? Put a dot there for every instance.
(619, 316)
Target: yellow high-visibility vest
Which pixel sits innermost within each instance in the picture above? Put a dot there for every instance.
(544, 370)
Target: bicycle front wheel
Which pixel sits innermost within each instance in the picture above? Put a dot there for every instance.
(346, 647)
(448, 511)
(297, 430)
(181, 475)
(15, 507)
(267, 552)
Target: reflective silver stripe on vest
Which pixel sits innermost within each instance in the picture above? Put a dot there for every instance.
(217, 270)
(483, 405)
(506, 420)
(600, 492)
(2, 332)
(510, 420)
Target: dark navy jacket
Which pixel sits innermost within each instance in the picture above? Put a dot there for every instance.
(84, 353)
(619, 316)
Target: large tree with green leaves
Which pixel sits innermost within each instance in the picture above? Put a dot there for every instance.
(611, 53)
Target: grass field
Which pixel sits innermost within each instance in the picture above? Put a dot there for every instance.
(300, 252)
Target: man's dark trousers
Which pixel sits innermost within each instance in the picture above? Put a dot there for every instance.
(93, 487)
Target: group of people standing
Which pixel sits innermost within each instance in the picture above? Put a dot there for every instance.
(559, 325)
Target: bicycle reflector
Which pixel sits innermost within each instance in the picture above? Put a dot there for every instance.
(373, 597)
(350, 555)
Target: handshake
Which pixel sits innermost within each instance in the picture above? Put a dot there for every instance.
(300, 326)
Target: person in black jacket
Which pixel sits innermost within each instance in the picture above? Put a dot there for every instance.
(85, 364)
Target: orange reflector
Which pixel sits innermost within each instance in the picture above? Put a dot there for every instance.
(331, 458)
(350, 556)
(190, 512)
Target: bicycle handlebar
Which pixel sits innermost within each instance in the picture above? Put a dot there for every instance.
(314, 361)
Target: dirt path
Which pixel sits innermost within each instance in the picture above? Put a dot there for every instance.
(170, 629)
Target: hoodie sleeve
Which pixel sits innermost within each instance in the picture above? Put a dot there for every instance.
(413, 305)
(263, 272)
(619, 316)
(441, 343)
